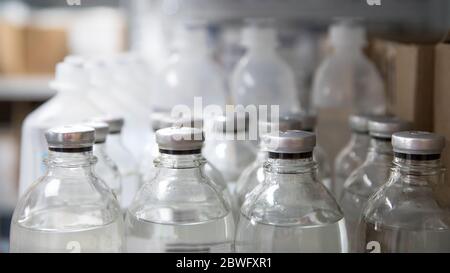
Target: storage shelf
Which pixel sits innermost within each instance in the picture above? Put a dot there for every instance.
(25, 88)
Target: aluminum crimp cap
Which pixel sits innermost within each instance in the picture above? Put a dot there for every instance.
(70, 137)
(179, 138)
(115, 123)
(384, 127)
(290, 142)
(101, 130)
(418, 143)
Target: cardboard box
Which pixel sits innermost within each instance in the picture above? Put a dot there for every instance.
(12, 48)
(408, 72)
(45, 47)
(442, 110)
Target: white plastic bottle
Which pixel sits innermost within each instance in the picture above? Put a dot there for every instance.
(262, 77)
(190, 72)
(347, 78)
(69, 105)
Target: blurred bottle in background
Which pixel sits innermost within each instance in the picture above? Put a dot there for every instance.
(345, 83)
(408, 214)
(190, 72)
(227, 146)
(372, 174)
(262, 77)
(70, 105)
(105, 168)
(353, 154)
(119, 154)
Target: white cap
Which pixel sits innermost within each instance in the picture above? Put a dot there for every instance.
(346, 33)
(71, 74)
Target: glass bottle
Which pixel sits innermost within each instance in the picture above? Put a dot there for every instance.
(253, 175)
(125, 161)
(291, 211)
(106, 169)
(69, 105)
(179, 210)
(408, 213)
(372, 174)
(228, 148)
(353, 154)
(69, 209)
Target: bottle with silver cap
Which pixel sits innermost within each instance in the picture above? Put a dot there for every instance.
(372, 174)
(291, 211)
(70, 105)
(180, 210)
(253, 175)
(228, 147)
(125, 161)
(410, 213)
(69, 209)
(353, 154)
(106, 168)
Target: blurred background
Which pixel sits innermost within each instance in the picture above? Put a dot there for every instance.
(37, 34)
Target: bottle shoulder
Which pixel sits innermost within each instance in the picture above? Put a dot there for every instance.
(367, 178)
(71, 202)
(179, 199)
(293, 203)
(407, 206)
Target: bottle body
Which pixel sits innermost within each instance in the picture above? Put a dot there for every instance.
(349, 158)
(68, 210)
(250, 178)
(291, 212)
(180, 210)
(127, 167)
(364, 182)
(405, 215)
(107, 170)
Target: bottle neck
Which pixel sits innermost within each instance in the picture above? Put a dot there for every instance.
(419, 170)
(115, 139)
(100, 148)
(348, 49)
(70, 163)
(183, 165)
(288, 167)
(358, 140)
(380, 150)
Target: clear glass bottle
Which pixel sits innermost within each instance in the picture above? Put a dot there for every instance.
(69, 209)
(228, 148)
(70, 105)
(372, 174)
(149, 169)
(253, 175)
(291, 211)
(262, 77)
(106, 169)
(180, 210)
(125, 161)
(353, 154)
(408, 213)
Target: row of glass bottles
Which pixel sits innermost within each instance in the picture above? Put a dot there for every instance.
(182, 200)
(180, 195)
